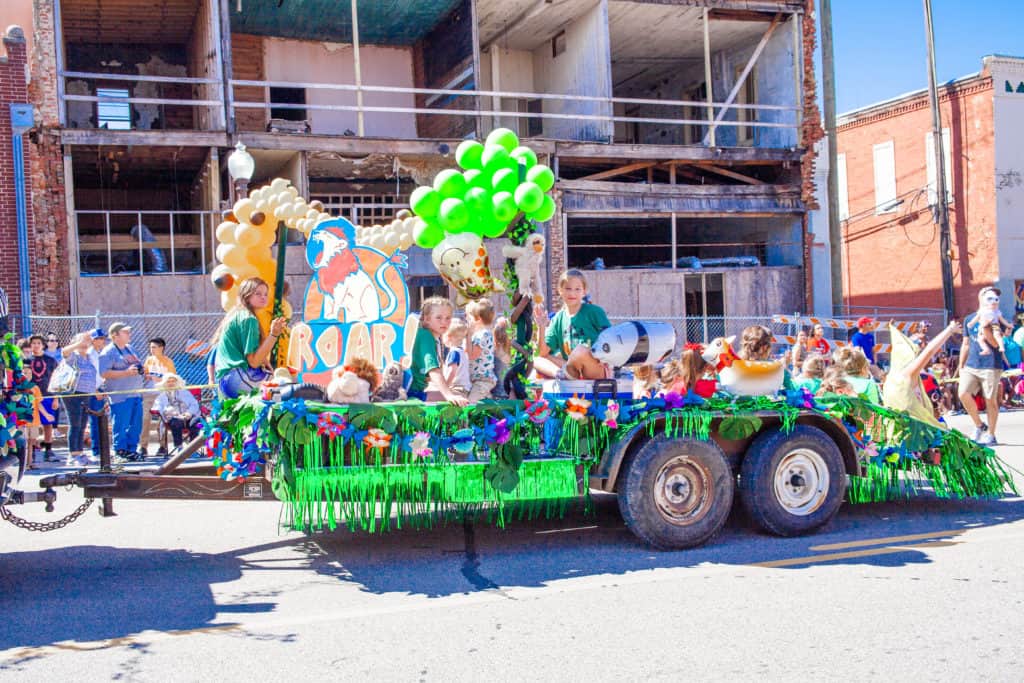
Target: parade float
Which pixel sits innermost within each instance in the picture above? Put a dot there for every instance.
(675, 461)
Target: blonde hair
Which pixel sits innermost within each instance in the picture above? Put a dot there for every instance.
(430, 304)
(458, 329)
(246, 289)
(851, 360)
(566, 275)
(755, 343)
(482, 310)
(834, 382)
(502, 342)
(689, 367)
(814, 366)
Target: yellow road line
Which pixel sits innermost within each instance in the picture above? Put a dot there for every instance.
(886, 540)
(868, 552)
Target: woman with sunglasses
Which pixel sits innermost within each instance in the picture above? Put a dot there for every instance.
(52, 346)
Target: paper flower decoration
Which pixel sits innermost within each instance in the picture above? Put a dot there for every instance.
(420, 445)
(330, 424)
(538, 411)
(576, 408)
(377, 438)
(611, 414)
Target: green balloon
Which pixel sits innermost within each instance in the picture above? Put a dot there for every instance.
(525, 155)
(493, 229)
(477, 178)
(468, 153)
(453, 215)
(546, 210)
(427, 235)
(505, 180)
(528, 197)
(495, 157)
(478, 201)
(450, 183)
(503, 137)
(504, 207)
(542, 176)
(425, 201)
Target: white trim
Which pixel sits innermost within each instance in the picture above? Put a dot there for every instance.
(884, 167)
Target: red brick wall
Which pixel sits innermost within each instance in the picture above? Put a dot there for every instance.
(893, 259)
(12, 89)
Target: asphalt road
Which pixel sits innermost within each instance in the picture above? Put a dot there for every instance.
(923, 589)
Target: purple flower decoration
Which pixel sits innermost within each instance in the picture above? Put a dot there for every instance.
(498, 432)
(673, 400)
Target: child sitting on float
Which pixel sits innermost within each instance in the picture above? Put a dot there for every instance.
(835, 382)
(811, 373)
(681, 374)
(427, 354)
(851, 361)
(456, 362)
(566, 344)
(243, 352)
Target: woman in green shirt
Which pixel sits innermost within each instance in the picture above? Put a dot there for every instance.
(576, 324)
(240, 351)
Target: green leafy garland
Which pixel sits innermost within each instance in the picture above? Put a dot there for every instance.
(401, 464)
(15, 403)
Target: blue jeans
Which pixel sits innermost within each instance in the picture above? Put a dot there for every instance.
(126, 415)
(75, 407)
(95, 404)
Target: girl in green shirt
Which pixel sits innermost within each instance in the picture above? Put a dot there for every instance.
(576, 325)
(242, 353)
(435, 317)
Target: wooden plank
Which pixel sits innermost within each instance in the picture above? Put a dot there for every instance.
(622, 170)
(730, 174)
(624, 151)
(130, 138)
(129, 243)
(756, 5)
(739, 15)
(663, 189)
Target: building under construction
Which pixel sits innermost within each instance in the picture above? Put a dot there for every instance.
(679, 131)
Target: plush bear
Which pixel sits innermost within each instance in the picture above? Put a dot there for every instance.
(391, 388)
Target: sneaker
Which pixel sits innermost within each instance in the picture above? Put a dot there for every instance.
(161, 452)
(987, 440)
(91, 459)
(978, 432)
(118, 458)
(51, 457)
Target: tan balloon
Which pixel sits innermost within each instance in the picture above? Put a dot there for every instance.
(222, 249)
(312, 213)
(243, 209)
(234, 257)
(247, 235)
(403, 214)
(391, 240)
(226, 232)
(405, 241)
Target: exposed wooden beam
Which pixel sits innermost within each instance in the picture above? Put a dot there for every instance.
(755, 5)
(621, 170)
(625, 152)
(762, 190)
(743, 76)
(129, 138)
(739, 15)
(730, 174)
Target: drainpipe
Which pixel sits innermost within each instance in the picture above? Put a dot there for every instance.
(21, 122)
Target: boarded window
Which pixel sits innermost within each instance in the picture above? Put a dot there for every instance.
(885, 177)
(290, 96)
(947, 165)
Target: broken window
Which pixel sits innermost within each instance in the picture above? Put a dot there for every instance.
(113, 115)
(288, 96)
(746, 95)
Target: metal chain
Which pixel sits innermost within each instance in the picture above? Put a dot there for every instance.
(44, 526)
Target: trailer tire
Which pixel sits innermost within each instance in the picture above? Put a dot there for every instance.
(792, 483)
(676, 493)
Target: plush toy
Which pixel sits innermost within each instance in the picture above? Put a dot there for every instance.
(528, 258)
(391, 388)
(354, 382)
(743, 377)
(462, 261)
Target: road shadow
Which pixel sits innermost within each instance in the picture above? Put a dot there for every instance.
(93, 594)
(459, 559)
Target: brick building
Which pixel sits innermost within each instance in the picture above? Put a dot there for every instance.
(13, 89)
(681, 134)
(886, 174)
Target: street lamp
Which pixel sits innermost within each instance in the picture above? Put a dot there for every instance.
(241, 166)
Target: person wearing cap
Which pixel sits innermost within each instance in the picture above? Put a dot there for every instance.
(980, 371)
(98, 401)
(864, 338)
(76, 403)
(123, 379)
(177, 407)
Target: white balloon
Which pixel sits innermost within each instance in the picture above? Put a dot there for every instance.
(391, 240)
(243, 209)
(312, 213)
(278, 184)
(405, 241)
(291, 192)
(261, 205)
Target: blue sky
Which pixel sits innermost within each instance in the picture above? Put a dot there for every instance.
(880, 44)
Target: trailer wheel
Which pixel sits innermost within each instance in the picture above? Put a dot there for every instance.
(676, 493)
(792, 484)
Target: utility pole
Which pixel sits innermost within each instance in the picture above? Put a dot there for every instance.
(828, 87)
(941, 205)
